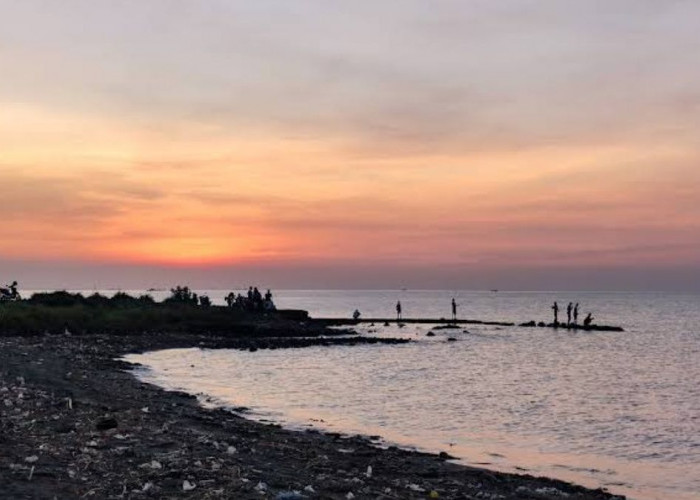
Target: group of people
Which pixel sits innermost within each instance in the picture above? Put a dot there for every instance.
(252, 301)
(572, 312)
(571, 315)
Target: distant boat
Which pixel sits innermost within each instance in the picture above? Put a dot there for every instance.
(494, 290)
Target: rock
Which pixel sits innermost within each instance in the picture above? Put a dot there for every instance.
(430, 334)
(289, 495)
(187, 486)
(106, 423)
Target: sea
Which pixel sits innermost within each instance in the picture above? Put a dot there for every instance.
(616, 410)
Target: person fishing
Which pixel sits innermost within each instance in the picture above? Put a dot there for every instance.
(555, 308)
(576, 314)
(588, 320)
(454, 309)
(568, 313)
(398, 311)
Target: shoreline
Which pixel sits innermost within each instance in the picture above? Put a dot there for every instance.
(76, 422)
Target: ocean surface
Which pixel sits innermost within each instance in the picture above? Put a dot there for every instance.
(603, 409)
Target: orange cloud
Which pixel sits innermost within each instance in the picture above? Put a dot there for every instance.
(76, 186)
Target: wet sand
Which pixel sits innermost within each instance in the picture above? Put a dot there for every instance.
(76, 423)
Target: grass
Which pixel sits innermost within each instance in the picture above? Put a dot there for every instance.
(58, 312)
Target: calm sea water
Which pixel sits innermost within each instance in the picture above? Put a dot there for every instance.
(617, 410)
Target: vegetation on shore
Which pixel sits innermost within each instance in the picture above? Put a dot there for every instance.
(122, 314)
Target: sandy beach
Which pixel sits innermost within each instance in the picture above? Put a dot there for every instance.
(75, 423)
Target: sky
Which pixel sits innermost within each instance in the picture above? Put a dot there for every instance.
(459, 144)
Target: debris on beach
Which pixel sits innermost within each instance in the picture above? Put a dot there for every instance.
(543, 492)
(179, 449)
(289, 495)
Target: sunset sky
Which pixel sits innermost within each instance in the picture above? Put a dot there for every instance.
(441, 144)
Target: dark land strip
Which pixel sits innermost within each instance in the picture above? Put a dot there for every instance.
(75, 423)
(457, 322)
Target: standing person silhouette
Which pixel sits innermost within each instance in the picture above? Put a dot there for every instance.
(555, 308)
(398, 311)
(568, 313)
(576, 314)
(454, 309)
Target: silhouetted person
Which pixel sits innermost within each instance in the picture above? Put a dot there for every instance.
(250, 294)
(9, 293)
(576, 314)
(356, 315)
(588, 320)
(268, 295)
(555, 308)
(257, 299)
(568, 313)
(454, 309)
(398, 310)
